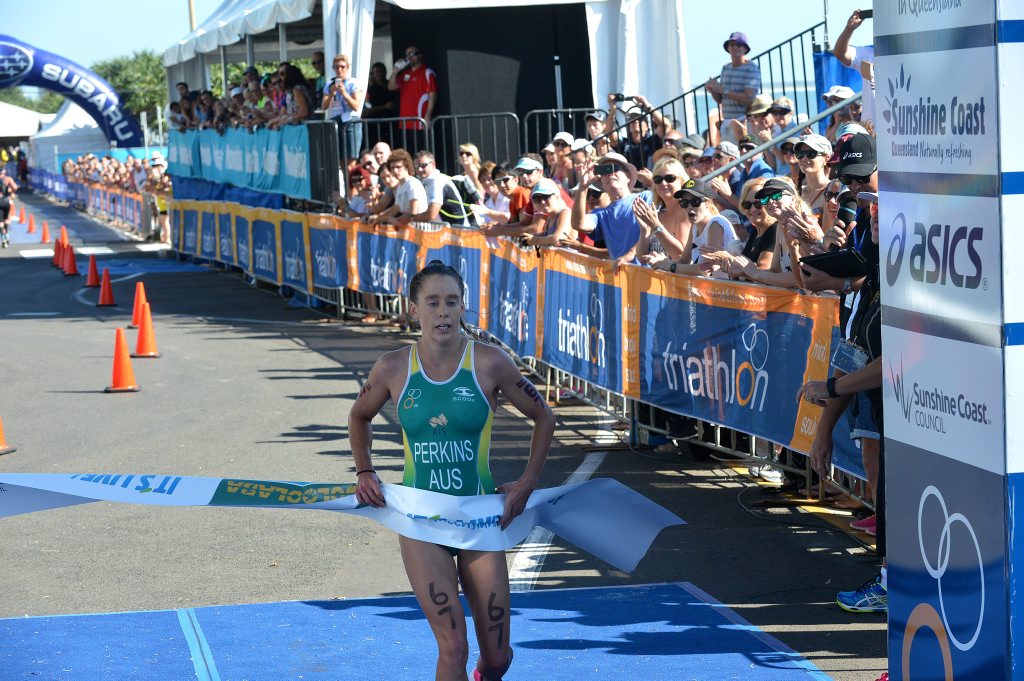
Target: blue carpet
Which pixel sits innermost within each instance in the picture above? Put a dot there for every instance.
(657, 631)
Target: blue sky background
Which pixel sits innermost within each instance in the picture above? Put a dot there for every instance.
(90, 32)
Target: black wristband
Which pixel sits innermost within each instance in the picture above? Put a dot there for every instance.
(365, 470)
(830, 386)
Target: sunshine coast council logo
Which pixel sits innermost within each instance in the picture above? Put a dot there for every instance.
(15, 62)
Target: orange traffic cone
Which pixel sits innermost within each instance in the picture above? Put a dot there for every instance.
(146, 345)
(31, 224)
(106, 292)
(46, 234)
(93, 279)
(64, 235)
(70, 264)
(4, 447)
(124, 378)
(140, 300)
(58, 254)
(21, 218)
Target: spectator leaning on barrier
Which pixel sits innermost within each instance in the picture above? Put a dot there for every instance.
(495, 205)
(342, 98)
(516, 184)
(759, 250)
(735, 89)
(298, 102)
(862, 60)
(750, 169)
(443, 200)
(812, 153)
(616, 225)
(553, 216)
(561, 166)
(723, 185)
(410, 197)
(666, 230)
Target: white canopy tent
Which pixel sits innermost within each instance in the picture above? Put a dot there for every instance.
(72, 131)
(636, 46)
(19, 123)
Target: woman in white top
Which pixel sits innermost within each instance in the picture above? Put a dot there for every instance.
(551, 209)
(812, 154)
(495, 206)
(410, 196)
(343, 100)
(710, 230)
(665, 228)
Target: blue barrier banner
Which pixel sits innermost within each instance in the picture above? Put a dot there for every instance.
(463, 250)
(386, 259)
(725, 352)
(189, 228)
(243, 228)
(293, 252)
(512, 303)
(582, 330)
(208, 233)
(264, 249)
(26, 65)
(294, 170)
(225, 236)
(328, 244)
(274, 161)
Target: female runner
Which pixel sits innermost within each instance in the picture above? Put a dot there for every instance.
(445, 389)
(8, 189)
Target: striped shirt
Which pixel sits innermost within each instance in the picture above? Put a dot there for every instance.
(738, 79)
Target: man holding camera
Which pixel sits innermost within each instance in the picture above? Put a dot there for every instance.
(640, 143)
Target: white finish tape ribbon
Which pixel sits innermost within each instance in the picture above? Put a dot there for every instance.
(600, 516)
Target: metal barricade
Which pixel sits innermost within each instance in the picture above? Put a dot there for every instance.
(409, 133)
(541, 125)
(496, 136)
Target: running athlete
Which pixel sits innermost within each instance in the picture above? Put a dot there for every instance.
(445, 388)
(7, 191)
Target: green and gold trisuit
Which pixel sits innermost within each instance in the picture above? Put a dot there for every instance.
(446, 430)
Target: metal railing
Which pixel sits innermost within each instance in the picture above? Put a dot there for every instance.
(541, 125)
(496, 136)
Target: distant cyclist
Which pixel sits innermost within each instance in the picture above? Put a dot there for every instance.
(8, 189)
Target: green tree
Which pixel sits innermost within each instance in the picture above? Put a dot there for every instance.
(140, 80)
(44, 102)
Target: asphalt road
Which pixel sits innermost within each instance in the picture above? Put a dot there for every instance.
(250, 386)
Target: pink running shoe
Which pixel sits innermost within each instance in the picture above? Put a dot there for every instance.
(883, 677)
(867, 524)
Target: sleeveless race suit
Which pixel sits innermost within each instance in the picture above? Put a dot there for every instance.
(446, 430)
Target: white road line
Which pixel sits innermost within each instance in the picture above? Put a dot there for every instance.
(529, 561)
(147, 248)
(37, 253)
(94, 250)
(32, 314)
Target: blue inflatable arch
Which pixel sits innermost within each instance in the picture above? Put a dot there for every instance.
(22, 64)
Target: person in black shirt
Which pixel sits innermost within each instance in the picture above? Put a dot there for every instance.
(834, 395)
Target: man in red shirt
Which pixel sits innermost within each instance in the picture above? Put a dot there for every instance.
(417, 89)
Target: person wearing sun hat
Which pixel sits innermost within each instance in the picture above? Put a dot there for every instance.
(737, 86)
(615, 225)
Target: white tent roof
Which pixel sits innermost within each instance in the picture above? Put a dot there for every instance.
(72, 131)
(16, 121)
(233, 20)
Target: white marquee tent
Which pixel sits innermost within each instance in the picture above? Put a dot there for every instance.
(19, 123)
(635, 45)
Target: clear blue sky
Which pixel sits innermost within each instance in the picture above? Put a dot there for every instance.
(87, 32)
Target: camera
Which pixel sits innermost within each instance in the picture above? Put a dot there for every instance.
(867, 13)
(619, 97)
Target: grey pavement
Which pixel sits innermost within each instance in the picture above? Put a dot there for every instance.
(250, 386)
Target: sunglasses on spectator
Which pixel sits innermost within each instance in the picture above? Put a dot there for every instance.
(559, 143)
(850, 179)
(594, 194)
(808, 153)
(786, 148)
(690, 203)
(412, 54)
(761, 115)
(425, 164)
(606, 169)
(830, 195)
(747, 147)
(747, 205)
(465, 153)
(503, 180)
(523, 171)
(704, 159)
(658, 179)
(720, 157)
(541, 198)
(777, 196)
